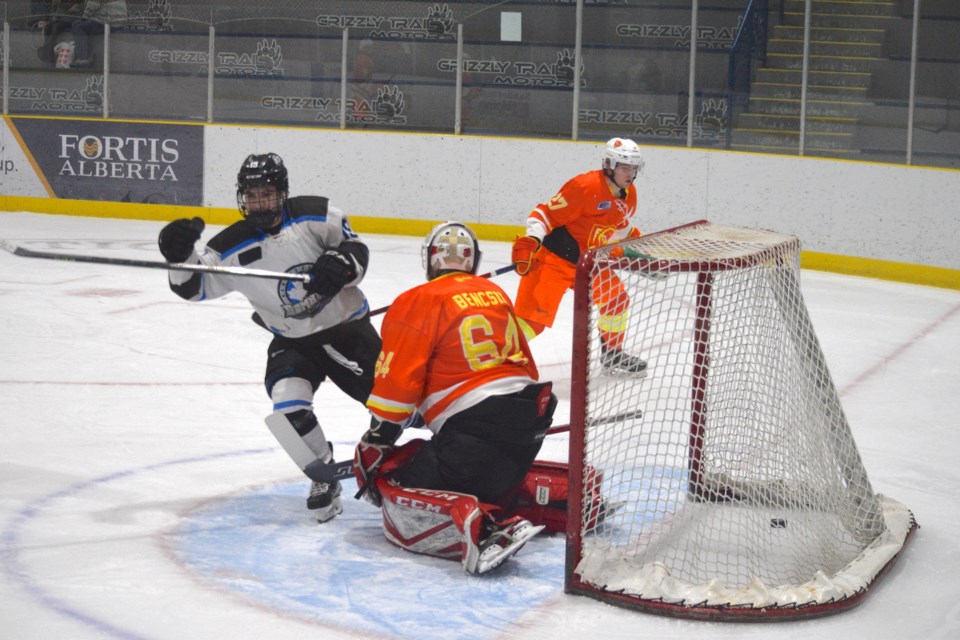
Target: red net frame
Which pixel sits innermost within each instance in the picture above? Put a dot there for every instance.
(701, 485)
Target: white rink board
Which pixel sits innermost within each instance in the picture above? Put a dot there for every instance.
(868, 210)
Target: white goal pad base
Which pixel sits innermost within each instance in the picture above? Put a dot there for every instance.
(610, 569)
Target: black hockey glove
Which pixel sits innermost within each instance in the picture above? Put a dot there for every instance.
(177, 238)
(382, 434)
(330, 273)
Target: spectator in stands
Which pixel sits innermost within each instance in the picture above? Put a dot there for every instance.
(53, 19)
(95, 15)
(363, 89)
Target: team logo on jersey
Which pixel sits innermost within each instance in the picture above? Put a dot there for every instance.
(295, 301)
(599, 236)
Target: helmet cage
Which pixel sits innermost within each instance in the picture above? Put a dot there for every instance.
(451, 246)
(257, 171)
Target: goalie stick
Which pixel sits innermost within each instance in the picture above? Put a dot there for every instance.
(152, 264)
(344, 469)
(495, 272)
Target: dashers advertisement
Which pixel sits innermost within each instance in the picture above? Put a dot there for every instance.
(114, 161)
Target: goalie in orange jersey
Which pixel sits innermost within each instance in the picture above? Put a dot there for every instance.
(591, 210)
(454, 360)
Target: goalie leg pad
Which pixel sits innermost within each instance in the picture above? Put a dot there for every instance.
(542, 496)
(443, 524)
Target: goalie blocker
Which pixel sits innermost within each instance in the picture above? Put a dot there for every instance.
(457, 526)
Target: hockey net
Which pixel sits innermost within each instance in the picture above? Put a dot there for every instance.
(732, 486)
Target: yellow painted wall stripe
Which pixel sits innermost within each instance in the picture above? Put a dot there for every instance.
(882, 269)
(867, 267)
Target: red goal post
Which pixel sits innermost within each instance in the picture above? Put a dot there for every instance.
(732, 487)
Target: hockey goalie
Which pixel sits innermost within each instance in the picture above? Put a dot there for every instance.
(454, 361)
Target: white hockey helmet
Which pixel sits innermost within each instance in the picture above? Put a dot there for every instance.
(622, 151)
(451, 246)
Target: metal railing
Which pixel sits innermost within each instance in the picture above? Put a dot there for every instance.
(673, 72)
(749, 47)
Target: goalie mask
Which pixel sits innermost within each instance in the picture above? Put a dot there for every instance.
(262, 188)
(621, 151)
(451, 246)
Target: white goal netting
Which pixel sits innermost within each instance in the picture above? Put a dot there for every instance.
(732, 483)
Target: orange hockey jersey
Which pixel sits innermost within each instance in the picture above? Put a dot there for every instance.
(587, 211)
(447, 345)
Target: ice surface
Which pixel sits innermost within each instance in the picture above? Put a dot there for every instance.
(142, 496)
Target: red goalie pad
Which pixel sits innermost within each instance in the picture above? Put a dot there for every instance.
(444, 524)
(542, 496)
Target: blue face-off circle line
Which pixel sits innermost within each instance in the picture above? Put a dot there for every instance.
(10, 540)
(480, 605)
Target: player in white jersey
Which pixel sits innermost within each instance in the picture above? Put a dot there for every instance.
(321, 329)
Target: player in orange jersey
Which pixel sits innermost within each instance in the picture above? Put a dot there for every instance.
(591, 210)
(454, 359)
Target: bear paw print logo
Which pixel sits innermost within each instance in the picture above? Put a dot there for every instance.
(565, 66)
(389, 102)
(439, 20)
(159, 11)
(268, 55)
(714, 111)
(93, 94)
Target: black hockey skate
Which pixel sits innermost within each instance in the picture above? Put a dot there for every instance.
(324, 500)
(619, 362)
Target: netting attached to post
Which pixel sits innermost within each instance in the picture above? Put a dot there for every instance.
(733, 487)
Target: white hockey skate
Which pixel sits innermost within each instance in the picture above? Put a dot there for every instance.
(503, 543)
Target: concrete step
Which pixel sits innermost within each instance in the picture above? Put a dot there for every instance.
(793, 91)
(817, 108)
(824, 48)
(840, 20)
(794, 149)
(791, 123)
(821, 62)
(832, 34)
(858, 79)
(844, 7)
(741, 137)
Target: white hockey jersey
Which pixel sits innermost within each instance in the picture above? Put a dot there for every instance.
(310, 227)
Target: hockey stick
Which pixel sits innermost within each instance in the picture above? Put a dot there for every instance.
(619, 417)
(340, 470)
(151, 264)
(344, 469)
(495, 272)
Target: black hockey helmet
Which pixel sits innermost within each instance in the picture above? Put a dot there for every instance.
(261, 170)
